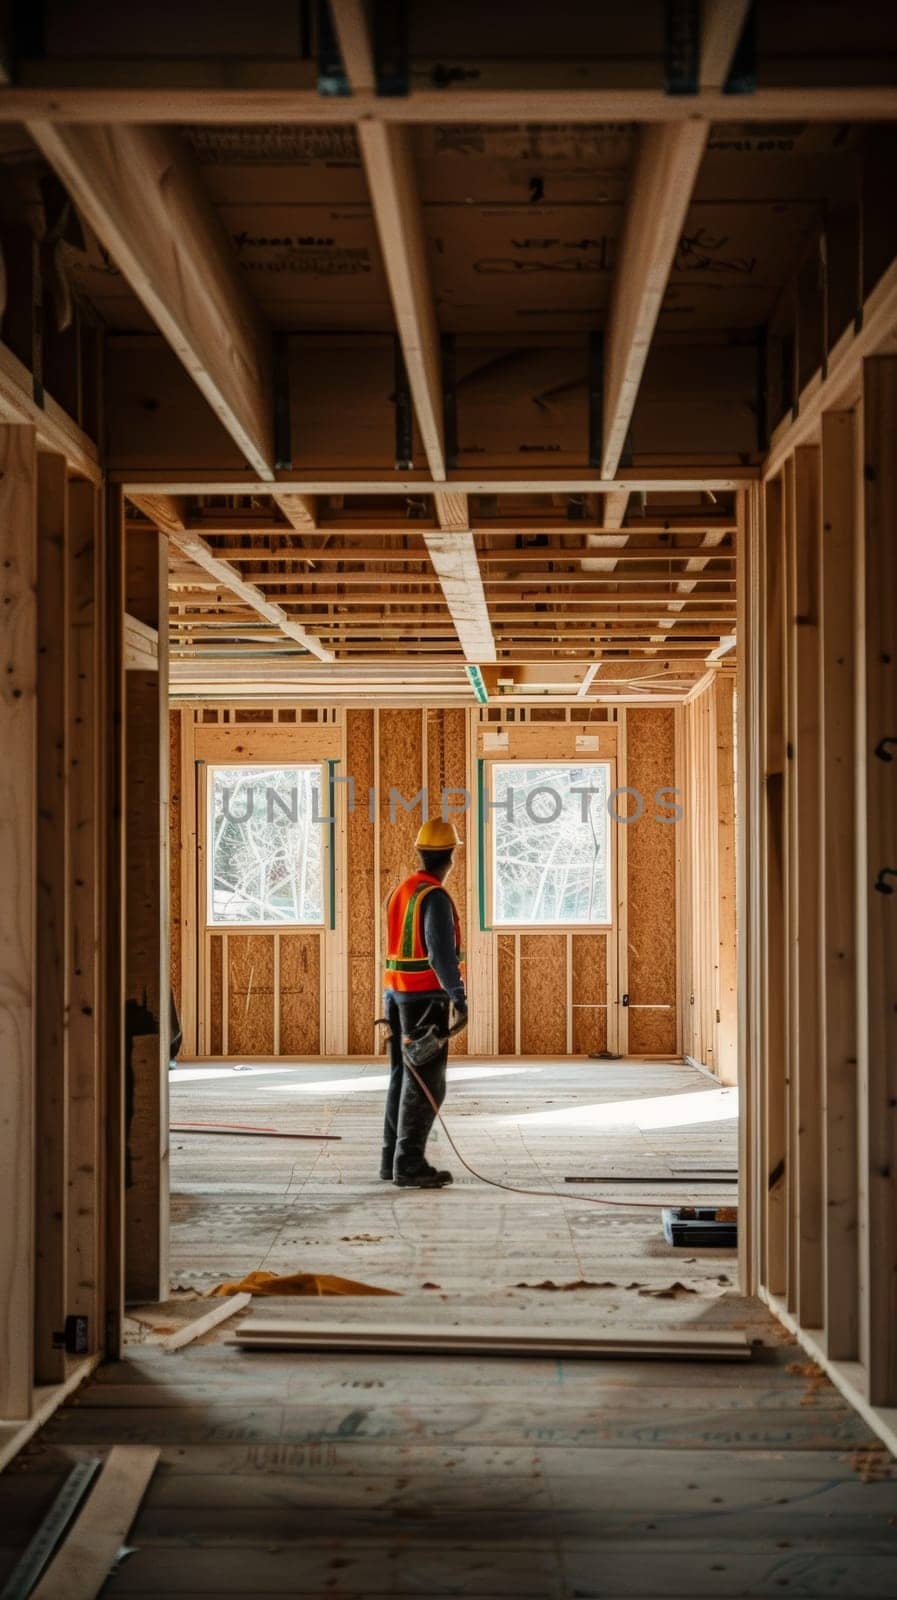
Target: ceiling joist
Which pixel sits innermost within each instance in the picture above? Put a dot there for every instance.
(166, 515)
(138, 189)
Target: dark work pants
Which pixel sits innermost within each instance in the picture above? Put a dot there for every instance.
(409, 1115)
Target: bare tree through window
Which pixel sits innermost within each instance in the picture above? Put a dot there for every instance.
(550, 844)
(265, 846)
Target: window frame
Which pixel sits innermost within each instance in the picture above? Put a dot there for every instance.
(206, 885)
(489, 841)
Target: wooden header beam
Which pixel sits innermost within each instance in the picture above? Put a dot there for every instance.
(259, 93)
(137, 188)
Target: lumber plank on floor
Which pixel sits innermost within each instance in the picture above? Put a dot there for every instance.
(222, 1312)
(81, 1566)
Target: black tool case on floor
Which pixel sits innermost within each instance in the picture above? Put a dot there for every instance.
(699, 1226)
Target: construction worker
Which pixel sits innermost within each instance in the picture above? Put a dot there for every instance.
(424, 998)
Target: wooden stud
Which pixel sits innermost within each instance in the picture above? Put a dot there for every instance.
(18, 827)
(776, 1171)
(84, 580)
(724, 785)
(52, 974)
(806, 1018)
(838, 975)
(147, 923)
(878, 871)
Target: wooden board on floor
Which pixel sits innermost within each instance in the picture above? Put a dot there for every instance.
(285, 1332)
(86, 1558)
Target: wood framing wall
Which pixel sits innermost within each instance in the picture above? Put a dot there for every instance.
(316, 991)
(821, 1007)
(709, 992)
(54, 1287)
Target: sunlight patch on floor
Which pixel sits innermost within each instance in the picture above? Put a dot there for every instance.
(380, 1080)
(661, 1111)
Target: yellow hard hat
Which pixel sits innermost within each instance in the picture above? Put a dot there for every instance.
(437, 835)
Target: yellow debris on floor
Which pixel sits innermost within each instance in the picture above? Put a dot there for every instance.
(297, 1283)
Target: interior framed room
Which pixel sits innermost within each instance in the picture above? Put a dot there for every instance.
(411, 415)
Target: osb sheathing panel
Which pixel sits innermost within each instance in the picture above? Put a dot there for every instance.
(589, 992)
(400, 768)
(360, 900)
(300, 994)
(652, 1033)
(543, 994)
(216, 995)
(250, 994)
(175, 849)
(506, 990)
(651, 856)
(589, 1030)
(363, 992)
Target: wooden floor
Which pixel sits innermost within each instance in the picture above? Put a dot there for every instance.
(353, 1477)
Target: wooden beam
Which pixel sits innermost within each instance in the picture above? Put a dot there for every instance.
(722, 24)
(388, 165)
(141, 646)
(878, 872)
(353, 33)
(300, 510)
(660, 191)
(138, 189)
(544, 556)
(262, 94)
(837, 867)
(843, 381)
(452, 509)
(672, 477)
(165, 512)
(18, 830)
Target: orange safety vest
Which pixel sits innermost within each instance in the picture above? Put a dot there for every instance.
(408, 969)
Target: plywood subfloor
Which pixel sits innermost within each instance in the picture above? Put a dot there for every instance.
(296, 1207)
(348, 1476)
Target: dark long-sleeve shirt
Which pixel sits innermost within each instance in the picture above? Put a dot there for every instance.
(438, 929)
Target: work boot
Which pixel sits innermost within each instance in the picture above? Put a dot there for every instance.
(425, 1177)
(387, 1160)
